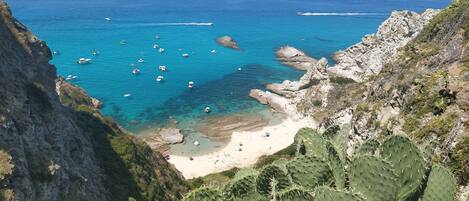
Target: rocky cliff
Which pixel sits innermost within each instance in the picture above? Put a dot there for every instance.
(410, 78)
(55, 145)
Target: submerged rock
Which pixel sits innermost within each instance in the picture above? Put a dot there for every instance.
(171, 135)
(228, 41)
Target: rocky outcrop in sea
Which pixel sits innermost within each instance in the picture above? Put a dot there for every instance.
(228, 41)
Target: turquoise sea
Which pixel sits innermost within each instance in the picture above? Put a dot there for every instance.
(76, 28)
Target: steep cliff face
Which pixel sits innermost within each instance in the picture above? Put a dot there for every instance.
(61, 148)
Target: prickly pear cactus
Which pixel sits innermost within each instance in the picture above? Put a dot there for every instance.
(309, 171)
(374, 178)
(336, 166)
(309, 142)
(368, 147)
(294, 194)
(240, 187)
(328, 194)
(441, 185)
(407, 161)
(265, 177)
(203, 194)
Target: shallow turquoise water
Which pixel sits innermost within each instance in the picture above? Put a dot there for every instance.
(77, 28)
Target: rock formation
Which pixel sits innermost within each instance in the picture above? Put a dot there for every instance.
(228, 41)
(57, 144)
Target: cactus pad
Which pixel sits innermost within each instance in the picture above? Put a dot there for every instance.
(203, 194)
(368, 147)
(309, 171)
(374, 178)
(310, 142)
(407, 161)
(240, 187)
(336, 166)
(441, 185)
(327, 194)
(294, 194)
(267, 175)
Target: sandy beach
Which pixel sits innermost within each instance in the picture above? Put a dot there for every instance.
(243, 150)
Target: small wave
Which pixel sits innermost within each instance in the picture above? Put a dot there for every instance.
(337, 14)
(179, 24)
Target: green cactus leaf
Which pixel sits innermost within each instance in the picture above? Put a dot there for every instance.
(310, 142)
(408, 163)
(204, 194)
(309, 171)
(294, 194)
(327, 194)
(336, 166)
(368, 147)
(240, 187)
(373, 178)
(441, 185)
(267, 175)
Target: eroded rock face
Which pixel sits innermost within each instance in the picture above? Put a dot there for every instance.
(369, 56)
(228, 41)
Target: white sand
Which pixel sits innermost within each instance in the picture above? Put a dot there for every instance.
(254, 145)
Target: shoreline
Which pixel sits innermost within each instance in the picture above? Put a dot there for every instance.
(254, 145)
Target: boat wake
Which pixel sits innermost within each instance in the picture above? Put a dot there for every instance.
(338, 14)
(179, 24)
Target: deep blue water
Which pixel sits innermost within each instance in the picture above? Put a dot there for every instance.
(75, 28)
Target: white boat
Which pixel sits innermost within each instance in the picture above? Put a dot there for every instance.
(180, 49)
(161, 50)
(95, 53)
(71, 77)
(127, 95)
(83, 61)
(185, 55)
(136, 71)
(159, 78)
(157, 36)
(140, 60)
(56, 52)
(107, 19)
(162, 68)
(240, 69)
(190, 85)
(155, 46)
(123, 42)
(196, 143)
(207, 110)
(213, 51)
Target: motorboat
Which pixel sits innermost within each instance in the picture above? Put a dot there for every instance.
(123, 42)
(159, 78)
(240, 69)
(140, 60)
(95, 53)
(207, 110)
(161, 50)
(155, 46)
(190, 85)
(196, 143)
(84, 61)
(107, 19)
(185, 55)
(162, 68)
(71, 77)
(56, 52)
(127, 95)
(213, 51)
(136, 71)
